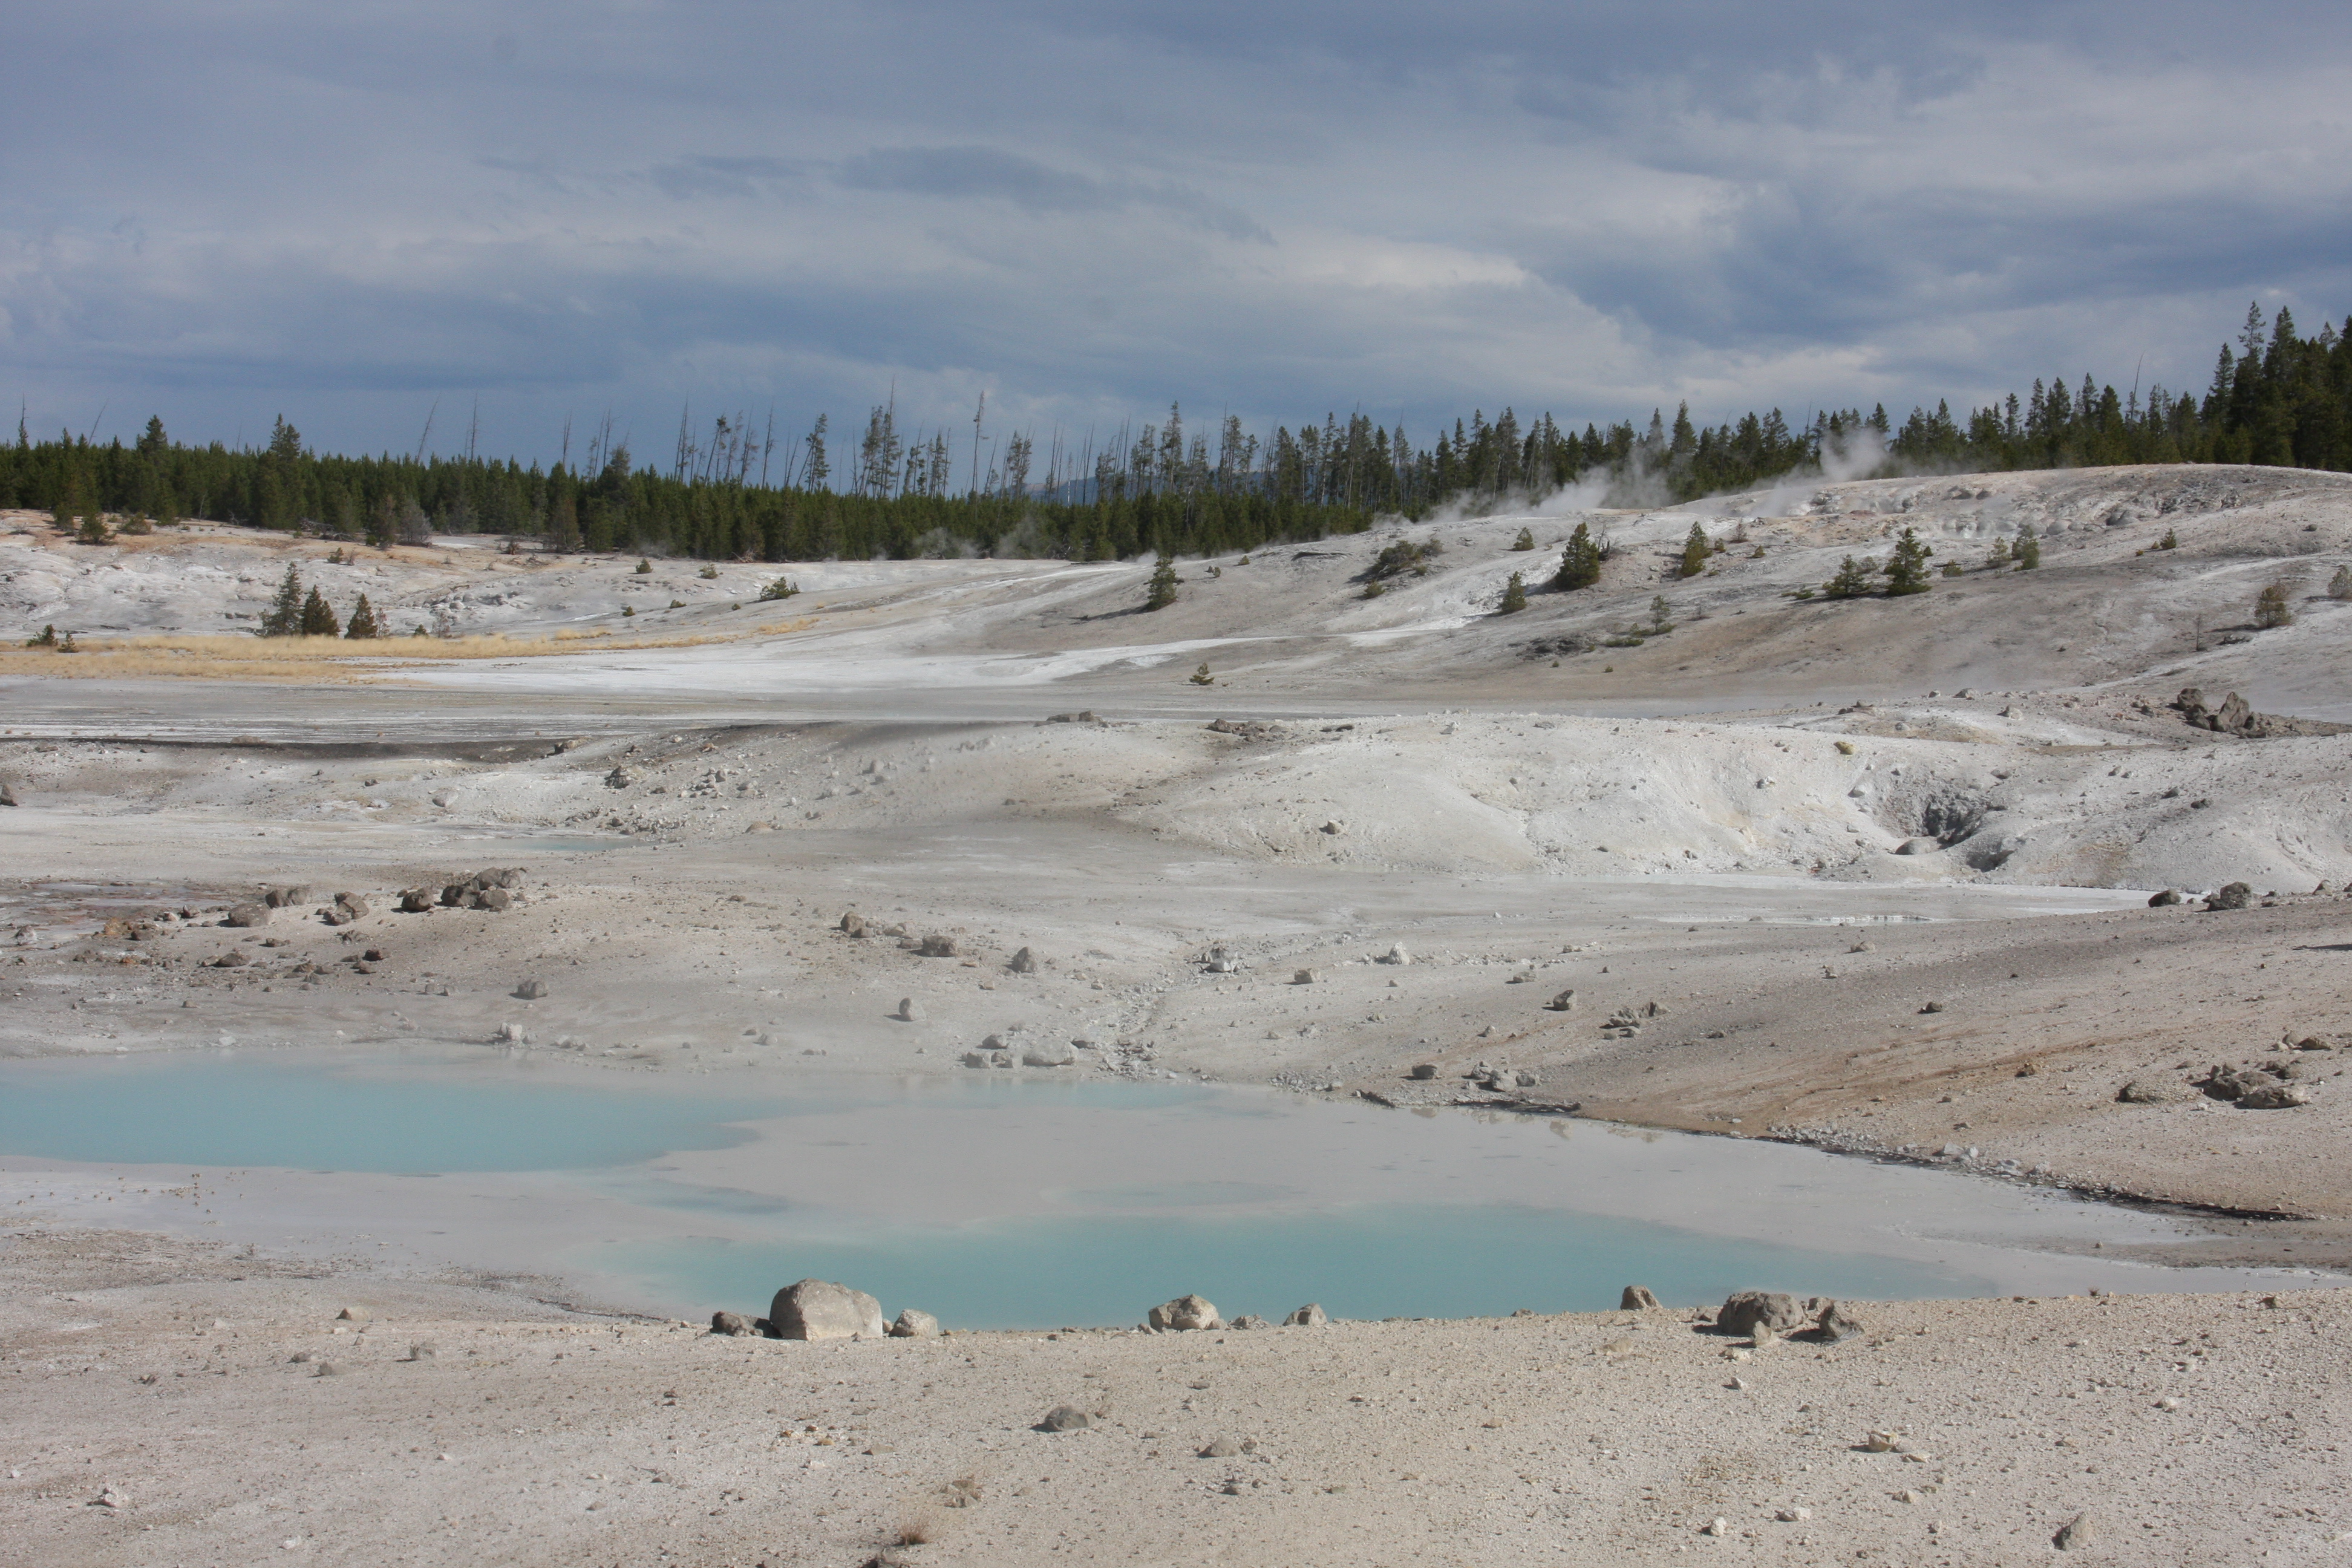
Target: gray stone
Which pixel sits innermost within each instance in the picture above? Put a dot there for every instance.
(1302, 977)
(1249, 1321)
(248, 915)
(821, 1309)
(1396, 954)
(937, 947)
(1423, 1071)
(1310, 1315)
(1745, 1311)
(532, 990)
(232, 959)
(2169, 896)
(1833, 1323)
(1023, 962)
(909, 1011)
(975, 1059)
(1184, 1313)
(2274, 1097)
(2074, 1534)
(1047, 1054)
(854, 924)
(496, 900)
(2227, 1082)
(1563, 1002)
(1220, 1448)
(913, 1324)
(2234, 895)
(1636, 1299)
(7, 796)
(347, 908)
(283, 897)
(416, 900)
(1065, 1418)
(2154, 1092)
(353, 1315)
(733, 1325)
(1918, 847)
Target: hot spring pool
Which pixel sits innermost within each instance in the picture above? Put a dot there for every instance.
(996, 1203)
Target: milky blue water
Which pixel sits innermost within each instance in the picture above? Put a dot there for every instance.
(1001, 1204)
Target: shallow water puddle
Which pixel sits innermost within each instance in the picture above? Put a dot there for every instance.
(1002, 1203)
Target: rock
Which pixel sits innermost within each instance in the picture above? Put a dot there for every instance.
(248, 915)
(937, 947)
(1220, 1448)
(821, 1309)
(909, 1011)
(2274, 1097)
(329, 1369)
(1793, 1515)
(1065, 1418)
(416, 900)
(1933, 1007)
(496, 900)
(854, 924)
(283, 897)
(1186, 1312)
(2076, 1532)
(1302, 977)
(2224, 1082)
(1563, 1002)
(1745, 1311)
(2169, 896)
(1718, 1525)
(509, 1035)
(1334, 827)
(619, 778)
(731, 1325)
(353, 1315)
(1249, 1321)
(7, 796)
(1918, 847)
(1396, 954)
(2154, 1092)
(914, 1324)
(2234, 895)
(232, 959)
(1833, 1323)
(1423, 1071)
(975, 1059)
(110, 1499)
(1310, 1315)
(1047, 1054)
(532, 990)
(1023, 962)
(1880, 1443)
(347, 908)
(1636, 1299)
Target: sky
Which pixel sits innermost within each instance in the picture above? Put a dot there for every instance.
(501, 216)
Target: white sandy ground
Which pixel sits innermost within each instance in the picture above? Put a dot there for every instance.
(1675, 822)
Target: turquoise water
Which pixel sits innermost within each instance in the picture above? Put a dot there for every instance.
(249, 1111)
(1393, 1261)
(1001, 1204)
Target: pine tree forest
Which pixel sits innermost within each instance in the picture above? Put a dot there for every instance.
(735, 492)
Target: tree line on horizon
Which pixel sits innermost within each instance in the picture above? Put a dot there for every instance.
(2276, 398)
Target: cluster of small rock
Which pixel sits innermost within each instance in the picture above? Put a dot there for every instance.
(483, 891)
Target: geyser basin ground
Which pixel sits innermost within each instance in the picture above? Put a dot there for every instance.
(1002, 1203)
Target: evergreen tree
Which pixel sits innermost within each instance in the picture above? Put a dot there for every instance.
(1525, 540)
(2271, 609)
(1907, 572)
(93, 526)
(285, 617)
(1852, 580)
(1579, 562)
(1695, 550)
(2028, 550)
(1164, 584)
(2340, 585)
(318, 617)
(1515, 595)
(1660, 616)
(362, 626)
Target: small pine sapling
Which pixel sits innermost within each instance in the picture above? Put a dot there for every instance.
(1515, 595)
(1525, 540)
(645, 567)
(781, 588)
(318, 617)
(1660, 616)
(2170, 541)
(709, 572)
(93, 528)
(1164, 580)
(362, 626)
(1906, 572)
(1852, 581)
(2271, 609)
(2340, 585)
(285, 617)
(1695, 550)
(1998, 557)
(2028, 551)
(1579, 561)
(48, 638)
(1201, 677)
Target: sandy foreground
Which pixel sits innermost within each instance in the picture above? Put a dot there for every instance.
(1873, 878)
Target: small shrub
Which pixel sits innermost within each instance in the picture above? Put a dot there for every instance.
(138, 523)
(1201, 677)
(1162, 592)
(1757, 554)
(1515, 595)
(318, 617)
(2028, 551)
(645, 567)
(677, 604)
(625, 610)
(362, 626)
(1998, 557)
(2271, 609)
(66, 644)
(1375, 589)
(709, 572)
(2340, 585)
(781, 588)
(2170, 541)
(285, 617)
(1525, 540)
(1906, 572)
(1660, 616)
(93, 529)
(1396, 559)
(48, 638)
(1950, 569)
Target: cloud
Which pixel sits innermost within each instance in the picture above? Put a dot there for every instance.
(1281, 209)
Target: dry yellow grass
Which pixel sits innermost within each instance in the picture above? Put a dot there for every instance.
(214, 657)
